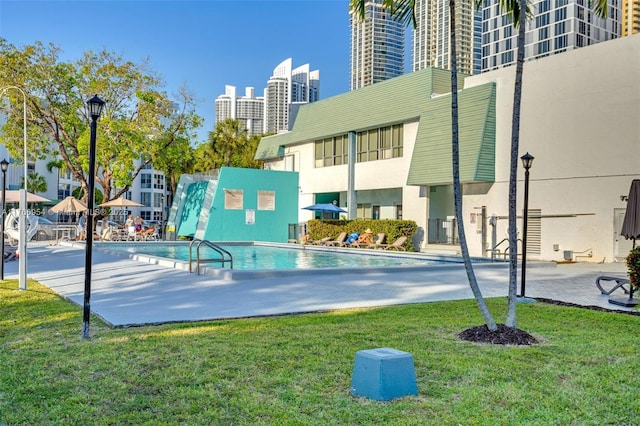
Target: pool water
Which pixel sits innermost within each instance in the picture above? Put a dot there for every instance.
(266, 257)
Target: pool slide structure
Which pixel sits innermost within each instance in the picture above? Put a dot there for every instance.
(235, 204)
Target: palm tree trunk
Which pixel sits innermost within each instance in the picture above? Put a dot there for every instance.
(457, 191)
(513, 173)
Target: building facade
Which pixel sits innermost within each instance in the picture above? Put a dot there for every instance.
(432, 41)
(377, 46)
(384, 151)
(630, 17)
(556, 26)
(247, 109)
(286, 90)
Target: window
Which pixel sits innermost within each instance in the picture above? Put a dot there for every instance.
(145, 199)
(561, 14)
(145, 180)
(363, 211)
(145, 215)
(381, 143)
(560, 42)
(543, 33)
(542, 47)
(158, 181)
(157, 200)
(331, 151)
(560, 28)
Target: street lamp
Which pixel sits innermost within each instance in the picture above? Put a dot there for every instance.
(22, 221)
(527, 161)
(94, 106)
(4, 165)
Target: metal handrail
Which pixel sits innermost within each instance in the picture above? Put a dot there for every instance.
(495, 249)
(222, 252)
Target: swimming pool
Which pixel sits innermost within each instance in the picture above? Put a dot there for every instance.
(257, 256)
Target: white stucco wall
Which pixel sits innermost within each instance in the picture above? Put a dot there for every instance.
(581, 122)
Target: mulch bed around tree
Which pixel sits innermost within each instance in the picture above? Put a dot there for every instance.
(514, 336)
(503, 336)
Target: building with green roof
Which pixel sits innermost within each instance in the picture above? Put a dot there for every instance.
(384, 151)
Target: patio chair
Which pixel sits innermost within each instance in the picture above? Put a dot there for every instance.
(378, 240)
(319, 242)
(396, 245)
(620, 283)
(338, 242)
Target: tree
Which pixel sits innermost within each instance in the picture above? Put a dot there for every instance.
(36, 183)
(228, 145)
(404, 11)
(139, 124)
(60, 166)
(517, 10)
(227, 138)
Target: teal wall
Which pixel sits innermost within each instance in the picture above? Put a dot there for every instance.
(204, 216)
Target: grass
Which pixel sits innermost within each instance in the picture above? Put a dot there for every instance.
(296, 370)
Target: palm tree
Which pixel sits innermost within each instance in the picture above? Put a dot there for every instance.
(58, 164)
(404, 11)
(35, 183)
(227, 137)
(517, 10)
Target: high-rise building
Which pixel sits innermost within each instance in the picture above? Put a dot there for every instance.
(630, 17)
(247, 109)
(286, 90)
(432, 41)
(377, 46)
(556, 26)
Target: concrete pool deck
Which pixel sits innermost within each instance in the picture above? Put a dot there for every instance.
(128, 292)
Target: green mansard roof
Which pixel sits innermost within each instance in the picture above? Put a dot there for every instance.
(420, 95)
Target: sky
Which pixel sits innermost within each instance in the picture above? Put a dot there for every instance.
(205, 44)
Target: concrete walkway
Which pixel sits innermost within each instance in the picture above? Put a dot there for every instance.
(129, 292)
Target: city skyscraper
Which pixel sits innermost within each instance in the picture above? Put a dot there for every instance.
(247, 109)
(556, 26)
(630, 17)
(432, 41)
(286, 90)
(377, 46)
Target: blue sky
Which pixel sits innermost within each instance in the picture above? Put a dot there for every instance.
(203, 43)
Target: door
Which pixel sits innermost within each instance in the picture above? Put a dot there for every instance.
(621, 246)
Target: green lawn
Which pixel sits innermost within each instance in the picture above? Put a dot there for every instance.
(296, 370)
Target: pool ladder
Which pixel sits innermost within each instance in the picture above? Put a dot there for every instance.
(225, 256)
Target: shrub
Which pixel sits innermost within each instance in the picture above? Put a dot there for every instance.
(633, 266)
(393, 229)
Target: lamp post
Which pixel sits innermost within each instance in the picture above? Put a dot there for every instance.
(527, 161)
(94, 106)
(22, 221)
(4, 165)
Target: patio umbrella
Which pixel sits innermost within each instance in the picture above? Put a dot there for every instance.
(630, 230)
(120, 202)
(68, 205)
(631, 224)
(13, 196)
(325, 208)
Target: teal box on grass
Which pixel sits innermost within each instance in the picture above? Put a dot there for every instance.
(383, 374)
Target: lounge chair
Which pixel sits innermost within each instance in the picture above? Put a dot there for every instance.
(378, 240)
(396, 245)
(620, 283)
(9, 253)
(338, 242)
(319, 242)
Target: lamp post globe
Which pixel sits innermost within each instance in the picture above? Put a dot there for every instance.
(94, 108)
